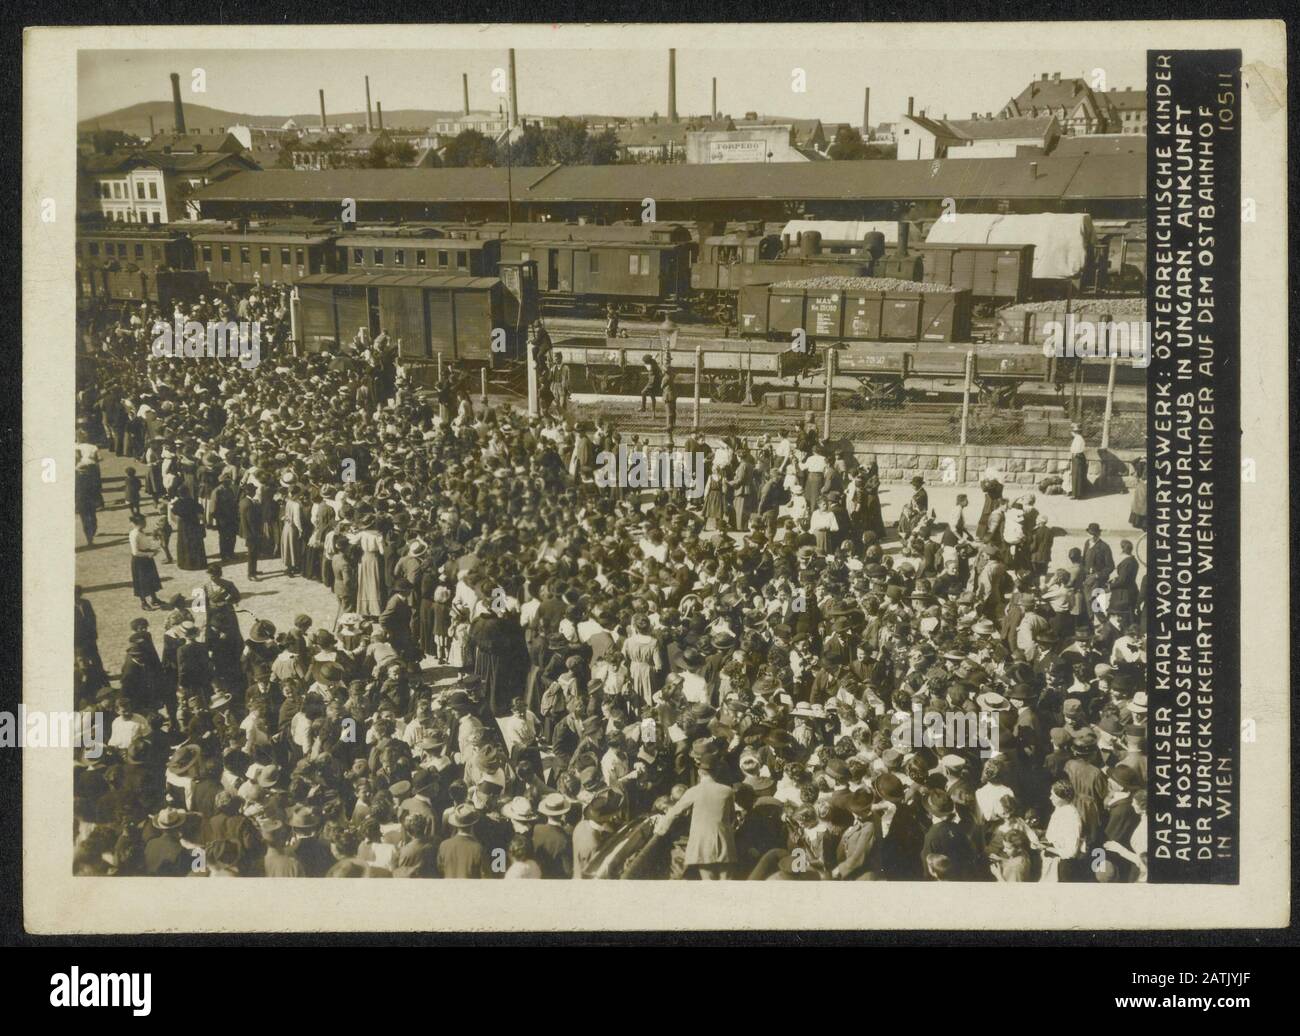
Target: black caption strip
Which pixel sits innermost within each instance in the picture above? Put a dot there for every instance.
(1194, 445)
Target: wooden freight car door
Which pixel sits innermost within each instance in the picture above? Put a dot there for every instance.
(404, 314)
(353, 314)
(1006, 276)
(440, 305)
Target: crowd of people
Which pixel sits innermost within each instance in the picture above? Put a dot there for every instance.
(524, 674)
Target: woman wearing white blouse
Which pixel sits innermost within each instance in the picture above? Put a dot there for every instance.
(1063, 840)
(145, 583)
(822, 523)
(814, 466)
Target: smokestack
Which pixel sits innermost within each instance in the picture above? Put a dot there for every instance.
(464, 87)
(904, 233)
(177, 107)
(713, 114)
(369, 125)
(672, 85)
(514, 93)
(152, 131)
(866, 112)
(909, 106)
(323, 125)
(379, 114)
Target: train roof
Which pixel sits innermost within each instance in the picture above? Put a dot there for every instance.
(398, 280)
(451, 244)
(1046, 178)
(594, 233)
(151, 231)
(268, 235)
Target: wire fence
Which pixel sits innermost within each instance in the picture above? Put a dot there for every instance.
(1110, 413)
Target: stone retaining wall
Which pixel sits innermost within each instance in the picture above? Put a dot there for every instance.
(1020, 465)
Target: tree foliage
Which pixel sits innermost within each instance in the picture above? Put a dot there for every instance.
(106, 141)
(470, 148)
(848, 145)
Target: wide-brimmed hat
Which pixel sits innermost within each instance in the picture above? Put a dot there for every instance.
(991, 701)
(1125, 776)
(304, 818)
(888, 787)
(556, 804)
(220, 700)
(268, 776)
(263, 632)
(169, 818)
(464, 815)
(185, 759)
(519, 809)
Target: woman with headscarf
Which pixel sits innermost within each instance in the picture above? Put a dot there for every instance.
(187, 517)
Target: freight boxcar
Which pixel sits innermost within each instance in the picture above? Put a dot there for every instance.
(994, 274)
(869, 310)
(481, 321)
(265, 255)
(641, 269)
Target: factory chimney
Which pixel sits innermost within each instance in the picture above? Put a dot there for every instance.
(909, 106)
(369, 125)
(379, 114)
(713, 112)
(177, 107)
(152, 131)
(866, 113)
(464, 87)
(324, 127)
(672, 85)
(513, 113)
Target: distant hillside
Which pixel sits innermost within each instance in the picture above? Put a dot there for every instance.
(202, 119)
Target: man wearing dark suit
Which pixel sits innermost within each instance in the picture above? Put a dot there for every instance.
(900, 836)
(1098, 562)
(854, 853)
(250, 527)
(396, 621)
(462, 855)
(552, 846)
(164, 856)
(193, 665)
(225, 513)
(946, 838)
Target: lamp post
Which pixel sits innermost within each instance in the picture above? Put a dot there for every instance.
(295, 319)
(667, 341)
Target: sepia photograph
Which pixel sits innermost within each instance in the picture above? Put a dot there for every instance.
(647, 455)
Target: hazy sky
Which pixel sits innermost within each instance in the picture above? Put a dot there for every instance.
(623, 81)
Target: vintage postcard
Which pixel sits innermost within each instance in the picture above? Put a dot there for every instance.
(657, 461)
